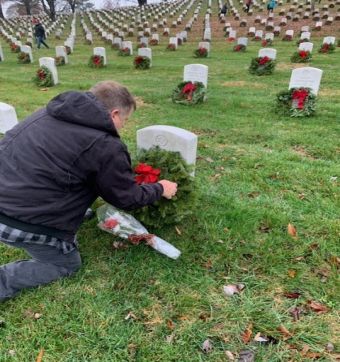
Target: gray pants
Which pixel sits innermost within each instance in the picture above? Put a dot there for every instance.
(47, 264)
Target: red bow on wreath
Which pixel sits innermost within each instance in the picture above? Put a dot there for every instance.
(303, 54)
(299, 97)
(188, 90)
(264, 60)
(146, 174)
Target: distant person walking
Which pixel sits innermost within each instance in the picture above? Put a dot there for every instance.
(39, 33)
(249, 3)
(271, 5)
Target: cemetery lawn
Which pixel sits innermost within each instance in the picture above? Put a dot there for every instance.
(256, 173)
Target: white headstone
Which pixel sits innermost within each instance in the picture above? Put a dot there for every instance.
(60, 51)
(144, 40)
(117, 41)
(101, 52)
(232, 34)
(290, 32)
(268, 52)
(8, 117)
(127, 44)
(269, 36)
(242, 41)
(155, 37)
(306, 77)
(27, 49)
(306, 46)
(170, 139)
(259, 33)
(2, 58)
(328, 40)
(146, 52)
(305, 35)
(173, 40)
(196, 73)
(50, 64)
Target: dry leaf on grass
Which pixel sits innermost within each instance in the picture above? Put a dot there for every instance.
(169, 339)
(292, 230)
(246, 335)
(329, 347)
(207, 346)
(246, 355)
(209, 159)
(284, 332)
(130, 315)
(229, 355)
(178, 231)
(170, 324)
(117, 245)
(40, 355)
(231, 289)
(317, 307)
(260, 338)
(291, 273)
(292, 295)
(295, 312)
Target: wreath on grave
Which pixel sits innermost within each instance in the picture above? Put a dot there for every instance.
(141, 45)
(296, 102)
(267, 42)
(154, 42)
(43, 77)
(257, 38)
(287, 38)
(124, 52)
(239, 48)
(170, 166)
(262, 66)
(60, 60)
(201, 53)
(327, 48)
(15, 48)
(68, 50)
(24, 58)
(141, 62)
(189, 93)
(301, 56)
(305, 40)
(96, 61)
(165, 33)
(171, 47)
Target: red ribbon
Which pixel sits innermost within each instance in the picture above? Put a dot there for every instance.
(136, 239)
(303, 54)
(264, 60)
(188, 90)
(299, 96)
(146, 174)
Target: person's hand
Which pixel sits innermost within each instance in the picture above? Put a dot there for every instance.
(169, 188)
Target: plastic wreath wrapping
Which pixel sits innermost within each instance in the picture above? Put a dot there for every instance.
(125, 226)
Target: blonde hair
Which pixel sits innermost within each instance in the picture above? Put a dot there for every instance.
(114, 95)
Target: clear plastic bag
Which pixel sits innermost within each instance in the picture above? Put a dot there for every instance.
(120, 223)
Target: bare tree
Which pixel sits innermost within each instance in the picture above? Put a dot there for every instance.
(79, 4)
(49, 7)
(23, 7)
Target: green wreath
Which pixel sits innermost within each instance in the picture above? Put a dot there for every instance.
(124, 52)
(24, 58)
(60, 60)
(262, 69)
(201, 53)
(239, 48)
(43, 77)
(301, 56)
(327, 48)
(141, 62)
(287, 106)
(96, 61)
(197, 95)
(173, 168)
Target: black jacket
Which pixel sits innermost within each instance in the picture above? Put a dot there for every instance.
(39, 31)
(55, 163)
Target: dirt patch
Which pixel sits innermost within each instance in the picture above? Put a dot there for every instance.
(290, 66)
(302, 152)
(242, 83)
(140, 102)
(328, 92)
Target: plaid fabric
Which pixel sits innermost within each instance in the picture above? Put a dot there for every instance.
(12, 235)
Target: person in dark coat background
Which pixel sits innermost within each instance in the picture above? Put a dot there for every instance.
(53, 166)
(39, 33)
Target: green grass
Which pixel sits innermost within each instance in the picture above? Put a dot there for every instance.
(267, 171)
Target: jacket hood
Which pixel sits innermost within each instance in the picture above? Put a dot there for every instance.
(81, 108)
